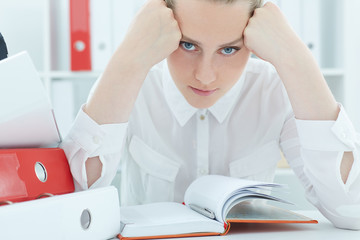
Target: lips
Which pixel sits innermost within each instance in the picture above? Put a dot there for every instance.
(201, 92)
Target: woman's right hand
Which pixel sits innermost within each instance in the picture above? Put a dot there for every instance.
(153, 35)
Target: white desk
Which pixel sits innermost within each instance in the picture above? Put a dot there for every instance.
(323, 230)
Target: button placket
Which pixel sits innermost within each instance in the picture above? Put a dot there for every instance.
(202, 143)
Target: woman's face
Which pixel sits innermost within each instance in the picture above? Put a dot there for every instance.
(212, 55)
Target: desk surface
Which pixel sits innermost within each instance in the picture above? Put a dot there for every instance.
(323, 230)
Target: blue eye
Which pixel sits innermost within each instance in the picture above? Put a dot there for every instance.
(228, 50)
(188, 46)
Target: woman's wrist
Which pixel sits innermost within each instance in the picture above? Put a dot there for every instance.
(132, 59)
(291, 52)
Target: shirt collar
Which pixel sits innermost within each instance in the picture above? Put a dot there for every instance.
(183, 111)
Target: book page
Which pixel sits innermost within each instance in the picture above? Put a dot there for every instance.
(166, 218)
(260, 212)
(213, 192)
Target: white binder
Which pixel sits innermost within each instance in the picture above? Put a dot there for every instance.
(92, 214)
(109, 21)
(101, 30)
(26, 116)
(123, 12)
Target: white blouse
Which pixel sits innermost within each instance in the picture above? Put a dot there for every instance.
(167, 144)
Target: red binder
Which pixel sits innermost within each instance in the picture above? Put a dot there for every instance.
(28, 174)
(80, 44)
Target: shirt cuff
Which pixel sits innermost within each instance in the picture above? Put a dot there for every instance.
(97, 139)
(339, 135)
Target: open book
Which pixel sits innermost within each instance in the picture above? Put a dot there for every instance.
(211, 203)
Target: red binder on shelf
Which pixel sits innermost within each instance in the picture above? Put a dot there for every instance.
(28, 174)
(80, 44)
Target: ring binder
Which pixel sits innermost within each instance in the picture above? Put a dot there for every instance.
(80, 35)
(5, 203)
(93, 214)
(18, 178)
(44, 195)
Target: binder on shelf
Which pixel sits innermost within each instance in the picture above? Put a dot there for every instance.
(91, 214)
(101, 32)
(292, 12)
(28, 174)
(305, 18)
(109, 21)
(80, 44)
(311, 17)
(123, 13)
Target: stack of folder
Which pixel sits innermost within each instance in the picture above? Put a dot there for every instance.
(37, 198)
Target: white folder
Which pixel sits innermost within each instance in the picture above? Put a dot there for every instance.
(26, 115)
(123, 12)
(311, 16)
(92, 214)
(101, 30)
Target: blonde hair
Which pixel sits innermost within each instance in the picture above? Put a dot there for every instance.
(253, 3)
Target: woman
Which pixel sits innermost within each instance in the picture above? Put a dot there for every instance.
(208, 109)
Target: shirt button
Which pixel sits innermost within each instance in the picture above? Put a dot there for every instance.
(96, 139)
(202, 117)
(343, 135)
(202, 171)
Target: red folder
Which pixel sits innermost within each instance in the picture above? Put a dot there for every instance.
(27, 174)
(80, 44)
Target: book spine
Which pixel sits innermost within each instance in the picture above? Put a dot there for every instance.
(80, 50)
(311, 27)
(101, 32)
(122, 15)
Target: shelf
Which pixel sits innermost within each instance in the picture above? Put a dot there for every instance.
(70, 75)
(333, 72)
(327, 72)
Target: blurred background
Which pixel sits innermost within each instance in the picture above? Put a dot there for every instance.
(330, 28)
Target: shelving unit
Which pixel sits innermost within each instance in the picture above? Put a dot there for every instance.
(333, 72)
(42, 29)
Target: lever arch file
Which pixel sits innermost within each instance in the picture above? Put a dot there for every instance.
(80, 35)
(28, 174)
(91, 214)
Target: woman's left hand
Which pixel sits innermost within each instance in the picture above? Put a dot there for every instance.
(268, 34)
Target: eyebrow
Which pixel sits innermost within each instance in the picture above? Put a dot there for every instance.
(187, 39)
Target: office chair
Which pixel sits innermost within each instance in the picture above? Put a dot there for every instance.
(3, 48)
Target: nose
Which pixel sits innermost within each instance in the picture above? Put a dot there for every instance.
(205, 72)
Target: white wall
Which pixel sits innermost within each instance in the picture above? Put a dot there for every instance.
(21, 23)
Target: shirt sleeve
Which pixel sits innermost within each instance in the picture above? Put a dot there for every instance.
(87, 139)
(314, 149)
